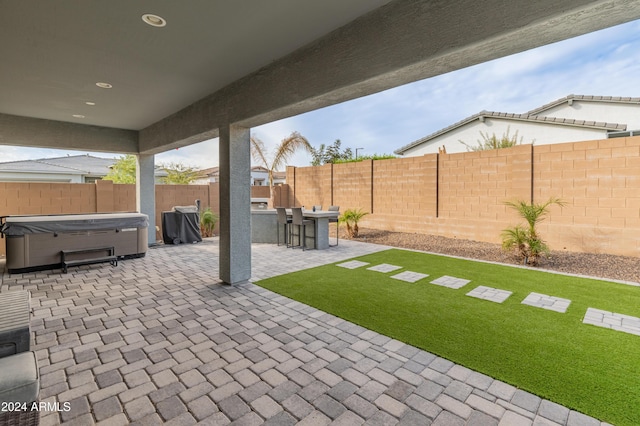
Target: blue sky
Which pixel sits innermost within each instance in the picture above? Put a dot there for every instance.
(604, 63)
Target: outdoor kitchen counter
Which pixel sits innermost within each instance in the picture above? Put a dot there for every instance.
(264, 223)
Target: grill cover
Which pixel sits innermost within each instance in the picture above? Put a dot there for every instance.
(181, 226)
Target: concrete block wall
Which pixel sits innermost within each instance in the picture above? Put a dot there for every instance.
(473, 187)
(313, 186)
(124, 198)
(281, 196)
(405, 195)
(462, 195)
(600, 182)
(354, 185)
(46, 198)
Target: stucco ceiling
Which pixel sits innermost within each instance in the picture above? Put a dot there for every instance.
(54, 52)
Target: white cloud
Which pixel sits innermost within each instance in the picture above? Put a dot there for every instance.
(201, 155)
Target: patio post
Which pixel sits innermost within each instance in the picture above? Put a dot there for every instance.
(235, 204)
(146, 191)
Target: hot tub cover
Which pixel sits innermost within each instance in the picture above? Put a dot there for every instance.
(21, 225)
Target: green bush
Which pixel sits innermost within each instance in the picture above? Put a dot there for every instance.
(366, 157)
(351, 217)
(495, 142)
(525, 241)
(208, 220)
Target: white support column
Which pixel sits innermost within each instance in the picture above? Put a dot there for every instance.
(235, 204)
(146, 192)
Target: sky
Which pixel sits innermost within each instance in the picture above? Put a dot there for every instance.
(603, 63)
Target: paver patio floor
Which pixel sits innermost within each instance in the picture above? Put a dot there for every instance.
(159, 340)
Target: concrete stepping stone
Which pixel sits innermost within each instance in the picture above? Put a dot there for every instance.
(612, 320)
(384, 267)
(544, 301)
(490, 294)
(410, 277)
(352, 264)
(450, 282)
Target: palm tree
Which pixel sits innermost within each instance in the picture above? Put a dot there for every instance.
(351, 217)
(526, 240)
(283, 152)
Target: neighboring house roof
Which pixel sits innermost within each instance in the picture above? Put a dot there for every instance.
(84, 164)
(212, 171)
(215, 171)
(73, 164)
(585, 98)
(514, 117)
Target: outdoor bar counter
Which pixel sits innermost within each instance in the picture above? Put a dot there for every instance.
(264, 223)
(38, 242)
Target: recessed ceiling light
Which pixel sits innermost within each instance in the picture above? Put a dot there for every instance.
(78, 116)
(90, 103)
(104, 85)
(153, 20)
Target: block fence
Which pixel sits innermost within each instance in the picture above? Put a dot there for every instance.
(26, 198)
(462, 195)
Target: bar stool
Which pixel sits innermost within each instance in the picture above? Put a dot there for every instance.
(284, 220)
(337, 222)
(299, 221)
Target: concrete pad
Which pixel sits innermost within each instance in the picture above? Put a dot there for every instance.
(544, 301)
(384, 267)
(490, 294)
(450, 282)
(353, 264)
(410, 277)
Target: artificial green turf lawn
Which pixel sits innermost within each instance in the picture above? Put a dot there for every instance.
(587, 368)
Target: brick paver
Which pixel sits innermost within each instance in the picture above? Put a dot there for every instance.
(158, 340)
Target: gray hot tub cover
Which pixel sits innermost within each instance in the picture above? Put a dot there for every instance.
(21, 225)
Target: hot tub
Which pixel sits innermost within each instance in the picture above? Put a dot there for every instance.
(37, 242)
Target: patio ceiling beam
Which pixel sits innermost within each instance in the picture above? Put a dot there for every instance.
(401, 42)
(32, 132)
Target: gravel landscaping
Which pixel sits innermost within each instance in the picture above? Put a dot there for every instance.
(623, 268)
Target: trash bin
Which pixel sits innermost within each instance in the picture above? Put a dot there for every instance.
(181, 225)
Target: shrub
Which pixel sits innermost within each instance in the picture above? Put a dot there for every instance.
(208, 220)
(495, 142)
(366, 157)
(525, 241)
(351, 217)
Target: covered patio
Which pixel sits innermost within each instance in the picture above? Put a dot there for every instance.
(150, 76)
(161, 338)
(158, 340)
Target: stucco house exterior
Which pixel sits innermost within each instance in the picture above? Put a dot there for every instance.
(82, 168)
(71, 169)
(570, 119)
